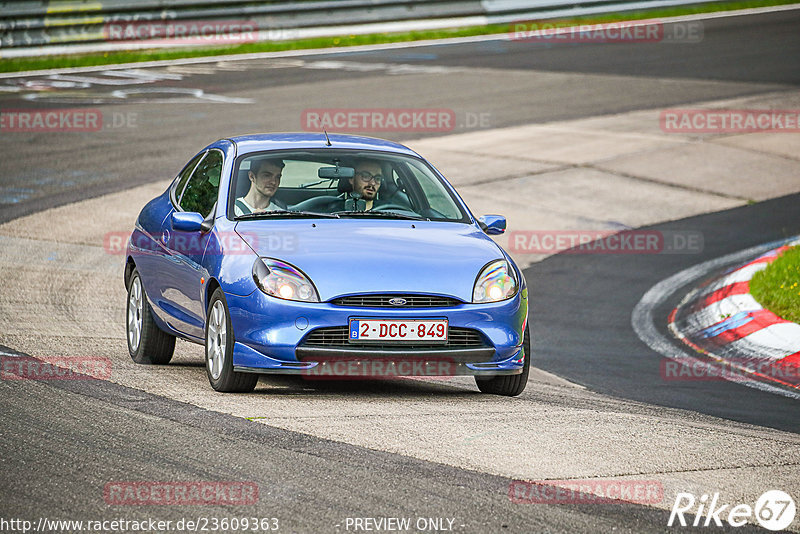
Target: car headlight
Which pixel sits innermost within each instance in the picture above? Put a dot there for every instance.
(283, 281)
(496, 282)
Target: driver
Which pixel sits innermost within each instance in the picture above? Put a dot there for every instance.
(265, 178)
(367, 180)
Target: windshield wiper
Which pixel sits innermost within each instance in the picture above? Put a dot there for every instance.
(311, 184)
(284, 213)
(384, 214)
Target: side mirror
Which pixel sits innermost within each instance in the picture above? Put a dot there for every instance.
(492, 224)
(187, 221)
(334, 173)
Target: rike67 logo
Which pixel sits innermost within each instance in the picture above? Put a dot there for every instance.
(774, 510)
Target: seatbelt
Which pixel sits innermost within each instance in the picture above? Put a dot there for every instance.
(241, 206)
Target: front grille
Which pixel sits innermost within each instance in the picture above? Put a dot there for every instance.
(382, 301)
(336, 336)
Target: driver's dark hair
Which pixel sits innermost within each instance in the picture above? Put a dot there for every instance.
(359, 161)
(256, 164)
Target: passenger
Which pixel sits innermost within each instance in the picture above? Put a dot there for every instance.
(265, 178)
(367, 180)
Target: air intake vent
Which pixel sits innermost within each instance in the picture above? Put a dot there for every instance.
(396, 301)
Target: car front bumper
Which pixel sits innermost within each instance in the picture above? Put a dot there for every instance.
(271, 336)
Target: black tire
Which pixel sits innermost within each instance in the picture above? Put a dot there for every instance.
(509, 385)
(219, 344)
(152, 346)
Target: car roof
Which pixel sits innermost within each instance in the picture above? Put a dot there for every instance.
(246, 144)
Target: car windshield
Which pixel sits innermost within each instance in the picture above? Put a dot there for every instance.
(339, 183)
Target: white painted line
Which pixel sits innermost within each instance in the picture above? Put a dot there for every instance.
(788, 333)
(745, 273)
(642, 317)
(740, 275)
(720, 310)
(750, 350)
(371, 48)
(781, 338)
(740, 303)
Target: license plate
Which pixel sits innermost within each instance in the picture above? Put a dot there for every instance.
(397, 330)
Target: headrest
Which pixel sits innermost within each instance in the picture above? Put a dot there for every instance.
(344, 185)
(242, 184)
(388, 189)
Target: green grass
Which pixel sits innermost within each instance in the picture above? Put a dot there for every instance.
(777, 287)
(83, 60)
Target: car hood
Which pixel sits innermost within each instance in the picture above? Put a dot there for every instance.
(352, 256)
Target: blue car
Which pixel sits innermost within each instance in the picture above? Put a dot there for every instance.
(330, 257)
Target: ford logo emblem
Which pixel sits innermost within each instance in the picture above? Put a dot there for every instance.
(397, 302)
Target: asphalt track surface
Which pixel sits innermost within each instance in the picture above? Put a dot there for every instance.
(63, 441)
(582, 330)
(756, 49)
(512, 83)
(94, 432)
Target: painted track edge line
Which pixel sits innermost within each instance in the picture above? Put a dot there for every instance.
(688, 299)
(719, 359)
(642, 315)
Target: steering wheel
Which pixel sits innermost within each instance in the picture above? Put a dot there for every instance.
(392, 206)
(314, 203)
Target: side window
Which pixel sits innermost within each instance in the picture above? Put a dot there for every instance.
(185, 174)
(201, 190)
